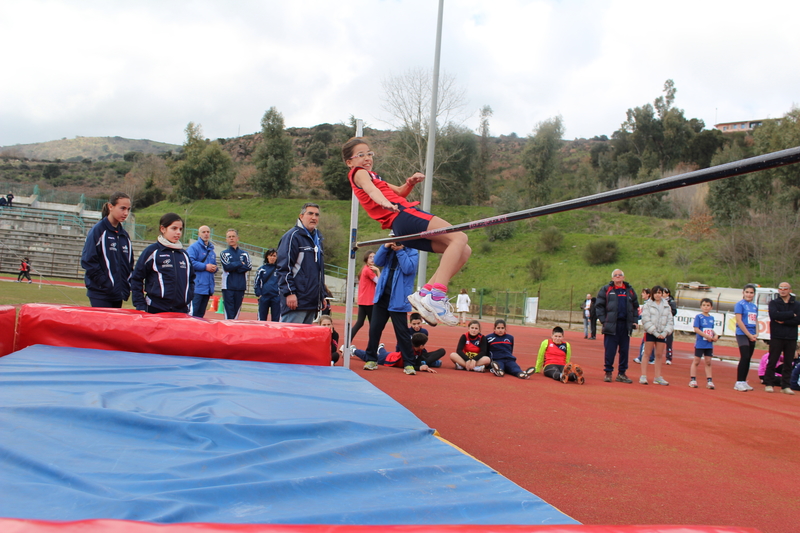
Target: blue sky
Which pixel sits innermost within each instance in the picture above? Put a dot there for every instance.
(145, 69)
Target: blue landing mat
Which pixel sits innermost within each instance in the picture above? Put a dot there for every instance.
(87, 434)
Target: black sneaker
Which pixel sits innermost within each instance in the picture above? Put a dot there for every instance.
(607, 379)
(622, 378)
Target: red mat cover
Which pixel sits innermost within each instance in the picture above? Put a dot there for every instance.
(172, 334)
(8, 317)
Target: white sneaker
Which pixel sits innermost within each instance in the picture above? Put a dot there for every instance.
(381, 345)
(669, 361)
(428, 315)
(746, 384)
(478, 368)
(693, 384)
(353, 350)
(458, 367)
(741, 386)
(643, 380)
(651, 363)
(660, 381)
(787, 390)
(443, 310)
(710, 385)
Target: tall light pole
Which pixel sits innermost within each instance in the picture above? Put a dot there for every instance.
(427, 191)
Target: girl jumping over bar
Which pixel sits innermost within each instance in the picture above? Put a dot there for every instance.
(387, 204)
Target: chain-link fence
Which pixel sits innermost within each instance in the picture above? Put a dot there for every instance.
(561, 305)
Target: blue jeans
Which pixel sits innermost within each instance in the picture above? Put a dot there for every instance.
(299, 316)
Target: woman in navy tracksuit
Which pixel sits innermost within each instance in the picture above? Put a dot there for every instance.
(265, 287)
(163, 280)
(108, 255)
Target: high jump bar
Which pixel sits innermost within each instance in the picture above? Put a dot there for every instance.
(736, 168)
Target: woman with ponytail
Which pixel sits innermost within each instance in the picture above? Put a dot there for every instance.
(108, 255)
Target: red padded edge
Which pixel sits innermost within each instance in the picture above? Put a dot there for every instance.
(8, 319)
(172, 334)
(122, 526)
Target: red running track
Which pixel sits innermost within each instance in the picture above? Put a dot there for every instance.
(613, 453)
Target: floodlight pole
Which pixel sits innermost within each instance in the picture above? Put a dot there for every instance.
(422, 270)
(351, 267)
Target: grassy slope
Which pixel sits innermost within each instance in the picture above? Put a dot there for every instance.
(498, 265)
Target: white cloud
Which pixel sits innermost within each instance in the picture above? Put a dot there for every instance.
(145, 69)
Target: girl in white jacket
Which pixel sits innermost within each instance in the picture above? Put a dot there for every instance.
(658, 324)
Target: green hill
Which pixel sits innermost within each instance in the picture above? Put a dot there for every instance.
(79, 148)
(650, 250)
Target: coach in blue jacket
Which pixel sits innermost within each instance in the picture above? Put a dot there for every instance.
(301, 268)
(235, 264)
(204, 263)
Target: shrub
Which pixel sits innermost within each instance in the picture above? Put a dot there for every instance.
(501, 232)
(537, 268)
(551, 239)
(601, 252)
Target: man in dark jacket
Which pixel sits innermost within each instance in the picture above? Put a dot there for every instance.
(235, 265)
(301, 268)
(784, 317)
(617, 312)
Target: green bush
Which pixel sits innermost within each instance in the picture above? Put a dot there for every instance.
(537, 268)
(601, 252)
(551, 239)
(501, 232)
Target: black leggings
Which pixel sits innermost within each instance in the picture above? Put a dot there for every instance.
(364, 311)
(745, 353)
(24, 274)
(432, 357)
(554, 371)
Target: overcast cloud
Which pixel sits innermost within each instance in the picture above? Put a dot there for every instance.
(144, 69)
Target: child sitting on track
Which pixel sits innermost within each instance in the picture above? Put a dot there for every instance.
(471, 351)
(424, 361)
(553, 360)
(387, 204)
(501, 351)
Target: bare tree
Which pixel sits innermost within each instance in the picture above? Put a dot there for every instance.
(407, 99)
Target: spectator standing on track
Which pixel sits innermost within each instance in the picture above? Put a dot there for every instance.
(638, 360)
(265, 287)
(705, 337)
(471, 352)
(301, 268)
(367, 282)
(658, 323)
(593, 318)
(204, 263)
(107, 255)
(671, 337)
(554, 359)
(235, 265)
(462, 306)
(784, 317)
(746, 334)
(617, 312)
(163, 280)
(395, 283)
(587, 314)
(9, 198)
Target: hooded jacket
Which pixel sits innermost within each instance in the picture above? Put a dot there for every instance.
(403, 279)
